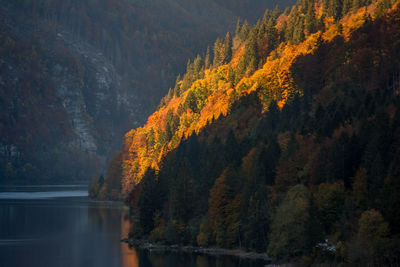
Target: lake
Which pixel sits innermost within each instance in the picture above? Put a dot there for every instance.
(60, 226)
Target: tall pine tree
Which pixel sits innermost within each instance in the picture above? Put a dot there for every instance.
(218, 53)
(228, 48)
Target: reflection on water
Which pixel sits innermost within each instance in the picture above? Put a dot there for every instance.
(129, 256)
(74, 231)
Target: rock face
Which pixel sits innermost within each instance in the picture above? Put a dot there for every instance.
(96, 99)
(64, 105)
(76, 75)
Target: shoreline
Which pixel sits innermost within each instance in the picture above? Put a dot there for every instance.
(212, 251)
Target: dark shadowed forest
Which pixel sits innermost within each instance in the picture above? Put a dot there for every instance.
(283, 138)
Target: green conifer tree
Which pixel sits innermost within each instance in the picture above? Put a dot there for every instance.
(207, 59)
(356, 5)
(335, 9)
(218, 57)
(310, 20)
(177, 87)
(228, 48)
(275, 13)
(244, 32)
(298, 32)
(250, 53)
(347, 5)
(198, 65)
(238, 28)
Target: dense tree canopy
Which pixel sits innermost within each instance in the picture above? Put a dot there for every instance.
(289, 148)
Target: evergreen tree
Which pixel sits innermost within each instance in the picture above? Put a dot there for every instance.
(298, 31)
(198, 66)
(267, 16)
(189, 68)
(191, 102)
(292, 25)
(391, 196)
(228, 48)
(272, 34)
(147, 201)
(275, 13)
(382, 7)
(207, 59)
(231, 76)
(181, 198)
(335, 9)
(310, 20)
(256, 222)
(356, 5)
(238, 28)
(177, 87)
(218, 54)
(286, 11)
(232, 150)
(347, 5)
(169, 95)
(251, 52)
(171, 124)
(244, 32)
(325, 6)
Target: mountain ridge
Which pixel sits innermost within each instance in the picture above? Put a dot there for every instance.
(289, 147)
(104, 65)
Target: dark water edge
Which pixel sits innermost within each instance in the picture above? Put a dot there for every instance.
(61, 226)
(210, 251)
(181, 258)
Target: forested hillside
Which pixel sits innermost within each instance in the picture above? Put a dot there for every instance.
(283, 139)
(76, 75)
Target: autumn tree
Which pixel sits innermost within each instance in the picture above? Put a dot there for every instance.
(95, 185)
(330, 199)
(204, 236)
(288, 234)
(372, 233)
(114, 177)
(372, 226)
(218, 201)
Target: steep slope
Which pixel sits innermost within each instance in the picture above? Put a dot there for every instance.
(293, 141)
(202, 96)
(77, 75)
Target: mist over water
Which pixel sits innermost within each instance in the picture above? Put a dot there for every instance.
(43, 195)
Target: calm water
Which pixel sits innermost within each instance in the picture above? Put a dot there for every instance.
(59, 226)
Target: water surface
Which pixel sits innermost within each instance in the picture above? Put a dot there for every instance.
(59, 226)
